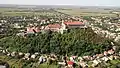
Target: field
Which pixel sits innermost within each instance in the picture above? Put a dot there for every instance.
(73, 12)
(87, 12)
(25, 12)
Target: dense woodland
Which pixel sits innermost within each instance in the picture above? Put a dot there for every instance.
(73, 42)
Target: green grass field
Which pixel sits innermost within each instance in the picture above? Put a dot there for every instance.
(16, 12)
(73, 12)
(26, 13)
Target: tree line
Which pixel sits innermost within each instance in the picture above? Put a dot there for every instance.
(73, 42)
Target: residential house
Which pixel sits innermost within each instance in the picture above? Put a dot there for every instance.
(16, 25)
(32, 30)
(53, 27)
(70, 25)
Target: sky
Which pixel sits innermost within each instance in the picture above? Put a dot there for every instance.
(64, 2)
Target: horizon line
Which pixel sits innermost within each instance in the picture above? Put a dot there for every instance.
(64, 5)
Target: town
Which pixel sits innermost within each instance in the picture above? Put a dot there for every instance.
(48, 38)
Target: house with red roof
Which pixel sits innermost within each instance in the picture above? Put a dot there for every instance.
(53, 27)
(57, 27)
(75, 24)
(32, 30)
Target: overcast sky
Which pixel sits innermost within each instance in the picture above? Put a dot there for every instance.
(64, 2)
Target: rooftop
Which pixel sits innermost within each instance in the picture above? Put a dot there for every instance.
(74, 23)
(54, 26)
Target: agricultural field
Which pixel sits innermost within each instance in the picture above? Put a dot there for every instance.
(26, 12)
(73, 12)
(87, 12)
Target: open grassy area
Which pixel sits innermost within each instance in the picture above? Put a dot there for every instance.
(87, 12)
(74, 12)
(25, 12)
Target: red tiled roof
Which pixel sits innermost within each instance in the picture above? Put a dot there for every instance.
(74, 23)
(70, 62)
(110, 51)
(105, 53)
(29, 29)
(54, 25)
(36, 29)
